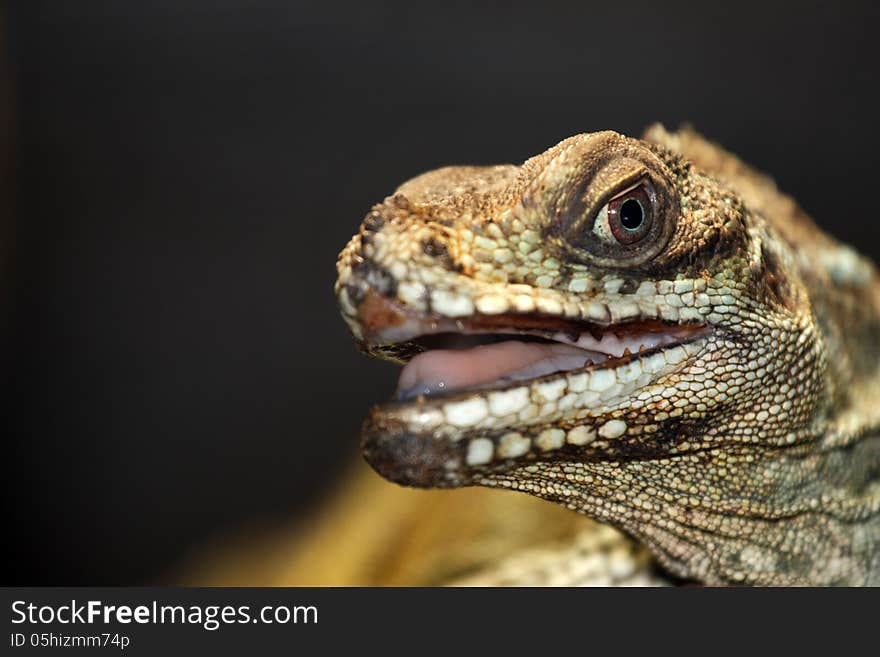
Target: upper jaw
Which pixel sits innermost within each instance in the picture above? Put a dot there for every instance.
(500, 351)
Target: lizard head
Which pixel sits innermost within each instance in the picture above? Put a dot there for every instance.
(594, 327)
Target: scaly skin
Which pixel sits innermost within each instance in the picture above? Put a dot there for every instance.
(749, 453)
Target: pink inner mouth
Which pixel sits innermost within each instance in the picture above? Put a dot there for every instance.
(446, 370)
(463, 366)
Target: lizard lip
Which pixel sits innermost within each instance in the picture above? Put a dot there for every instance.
(450, 356)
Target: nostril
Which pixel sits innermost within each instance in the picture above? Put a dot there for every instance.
(373, 222)
(372, 276)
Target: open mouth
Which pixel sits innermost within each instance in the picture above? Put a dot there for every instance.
(459, 362)
(483, 389)
(446, 356)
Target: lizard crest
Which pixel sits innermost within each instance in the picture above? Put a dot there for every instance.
(644, 331)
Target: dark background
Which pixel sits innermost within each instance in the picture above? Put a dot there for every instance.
(186, 172)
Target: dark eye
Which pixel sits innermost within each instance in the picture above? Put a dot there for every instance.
(627, 218)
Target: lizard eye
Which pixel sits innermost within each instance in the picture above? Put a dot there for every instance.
(627, 218)
(621, 214)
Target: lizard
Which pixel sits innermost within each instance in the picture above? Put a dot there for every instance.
(644, 331)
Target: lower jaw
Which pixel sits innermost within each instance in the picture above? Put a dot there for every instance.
(568, 399)
(432, 441)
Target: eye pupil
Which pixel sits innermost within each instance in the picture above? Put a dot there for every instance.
(628, 218)
(632, 214)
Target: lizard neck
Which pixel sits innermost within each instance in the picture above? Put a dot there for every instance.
(808, 514)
